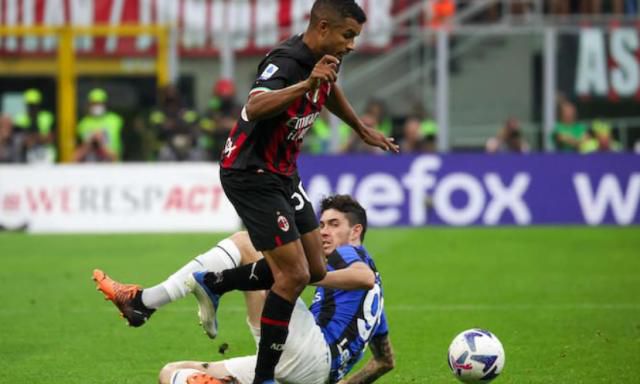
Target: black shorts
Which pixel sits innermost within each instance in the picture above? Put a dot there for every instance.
(274, 208)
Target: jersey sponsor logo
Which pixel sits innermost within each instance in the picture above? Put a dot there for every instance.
(283, 223)
(303, 122)
(301, 125)
(268, 72)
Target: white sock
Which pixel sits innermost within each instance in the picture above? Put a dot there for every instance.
(181, 375)
(224, 255)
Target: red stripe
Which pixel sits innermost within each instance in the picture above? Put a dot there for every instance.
(227, 162)
(279, 140)
(278, 241)
(293, 148)
(277, 323)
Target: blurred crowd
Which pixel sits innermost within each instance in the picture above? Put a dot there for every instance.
(560, 8)
(172, 131)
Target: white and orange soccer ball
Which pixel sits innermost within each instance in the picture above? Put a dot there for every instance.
(476, 356)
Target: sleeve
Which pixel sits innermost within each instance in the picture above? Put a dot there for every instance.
(383, 328)
(274, 73)
(348, 255)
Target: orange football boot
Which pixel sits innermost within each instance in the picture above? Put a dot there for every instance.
(127, 297)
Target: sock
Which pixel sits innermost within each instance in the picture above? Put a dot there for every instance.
(250, 277)
(274, 328)
(224, 255)
(181, 375)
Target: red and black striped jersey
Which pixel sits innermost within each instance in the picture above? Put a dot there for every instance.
(273, 144)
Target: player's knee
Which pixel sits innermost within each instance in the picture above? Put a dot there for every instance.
(294, 282)
(248, 253)
(300, 279)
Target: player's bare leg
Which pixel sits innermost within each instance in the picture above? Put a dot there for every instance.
(312, 244)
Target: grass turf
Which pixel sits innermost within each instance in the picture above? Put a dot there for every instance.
(565, 303)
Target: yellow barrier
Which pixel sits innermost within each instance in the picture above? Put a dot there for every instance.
(66, 67)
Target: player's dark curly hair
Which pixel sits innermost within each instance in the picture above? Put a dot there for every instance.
(324, 9)
(350, 207)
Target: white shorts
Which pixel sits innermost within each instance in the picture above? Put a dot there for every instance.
(306, 358)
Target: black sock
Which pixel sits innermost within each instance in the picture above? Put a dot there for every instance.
(274, 328)
(137, 303)
(250, 277)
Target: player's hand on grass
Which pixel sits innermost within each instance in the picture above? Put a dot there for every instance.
(325, 70)
(376, 138)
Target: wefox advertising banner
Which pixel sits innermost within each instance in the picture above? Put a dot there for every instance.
(115, 198)
(429, 190)
(471, 189)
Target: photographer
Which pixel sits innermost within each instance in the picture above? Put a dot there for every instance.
(509, 139)
(99, 132)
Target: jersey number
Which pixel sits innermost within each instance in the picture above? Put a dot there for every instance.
(300, 197)
(372, 310)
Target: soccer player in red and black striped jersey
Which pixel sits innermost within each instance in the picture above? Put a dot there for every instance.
(258, 164)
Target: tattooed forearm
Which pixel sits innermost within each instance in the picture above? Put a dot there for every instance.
(381, 363)
(381, 349)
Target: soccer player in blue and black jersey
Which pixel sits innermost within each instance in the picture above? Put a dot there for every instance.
(326, 340)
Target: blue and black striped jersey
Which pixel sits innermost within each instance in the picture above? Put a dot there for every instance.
(349, 319)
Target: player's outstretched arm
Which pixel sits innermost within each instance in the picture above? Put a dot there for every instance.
(382, 362)
(268, 104)
(338, 104)
(356, 276)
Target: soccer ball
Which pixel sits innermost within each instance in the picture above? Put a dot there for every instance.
(475, 356)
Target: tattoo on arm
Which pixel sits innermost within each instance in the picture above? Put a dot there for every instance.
(381, 363)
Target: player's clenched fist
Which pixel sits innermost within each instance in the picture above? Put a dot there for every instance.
(326, 69)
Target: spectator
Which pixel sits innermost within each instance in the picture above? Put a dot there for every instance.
(176, 128)
(597, 7)
(321, 135)
(36, 126)
(428, 126)
(560, 7)
(99, 131)
(631, 7)
(413, 140)
(599, 139)
(10, 143)
(354, 144)
(378, 111)
(508, 139)
(568, 133)
(219, 119)
(439, 12)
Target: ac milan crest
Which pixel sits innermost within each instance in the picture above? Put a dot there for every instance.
(283, 223)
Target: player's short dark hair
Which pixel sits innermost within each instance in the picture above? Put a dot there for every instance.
(325, 9)
(350, 207)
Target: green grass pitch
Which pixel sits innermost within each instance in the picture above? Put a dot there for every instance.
(565, 303)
